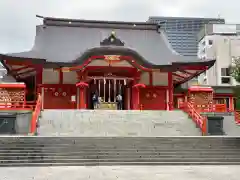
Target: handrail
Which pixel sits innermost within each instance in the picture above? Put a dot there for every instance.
(196, 117)
(36, 114)
(237, 117)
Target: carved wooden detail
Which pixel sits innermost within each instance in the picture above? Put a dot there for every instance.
(201, 100)
(12, 96)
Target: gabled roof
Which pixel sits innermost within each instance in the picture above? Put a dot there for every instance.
(69, 41)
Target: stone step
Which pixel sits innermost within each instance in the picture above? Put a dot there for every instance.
(35, 164)
(117, 151)
(119, 160)
(118, 155)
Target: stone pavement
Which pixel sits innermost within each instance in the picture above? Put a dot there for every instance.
(122, 173)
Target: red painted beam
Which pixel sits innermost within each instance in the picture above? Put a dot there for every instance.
(190, 77)
(186, 72)
(13, 85)
(175, 74)
(26, 72)
(121, 58)
(193, 67)
(17, 62)
(21, 68)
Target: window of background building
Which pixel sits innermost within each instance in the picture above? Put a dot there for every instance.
(225, 76)
(210, 42)
(225, 72)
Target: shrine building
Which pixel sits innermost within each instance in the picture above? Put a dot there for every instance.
(71, 59)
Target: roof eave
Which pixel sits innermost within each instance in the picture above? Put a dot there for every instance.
(5, 57)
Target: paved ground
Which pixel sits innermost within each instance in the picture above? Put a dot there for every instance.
(122, 173)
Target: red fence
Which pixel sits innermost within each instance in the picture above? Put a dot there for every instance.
(16, 105)
(237, 117)
(36, 114)
(196, 116)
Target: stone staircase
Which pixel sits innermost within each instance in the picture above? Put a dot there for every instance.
(112, 123)
(92, 151)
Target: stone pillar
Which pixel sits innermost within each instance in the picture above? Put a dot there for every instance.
(170, 91)
(82, 99)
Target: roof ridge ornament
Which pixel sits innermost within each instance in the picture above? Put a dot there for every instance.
(112, 40)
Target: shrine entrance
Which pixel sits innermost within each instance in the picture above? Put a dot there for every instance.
(107, 88)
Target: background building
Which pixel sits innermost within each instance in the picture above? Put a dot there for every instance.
(220, 42)
(182, 31)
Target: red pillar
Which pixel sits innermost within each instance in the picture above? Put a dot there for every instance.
(82, 103)
(135, 96)
(170, 91)
(39, 75)
(82, 100)
(231, 104)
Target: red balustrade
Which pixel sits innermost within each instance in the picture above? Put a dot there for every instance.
(237, 117)
(16, 105)
(220, 108)
(36, 114)
(196, 117)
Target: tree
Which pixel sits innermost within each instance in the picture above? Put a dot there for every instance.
(235, 68)
(235, 73)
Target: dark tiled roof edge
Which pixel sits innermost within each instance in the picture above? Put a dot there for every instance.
(52, 21)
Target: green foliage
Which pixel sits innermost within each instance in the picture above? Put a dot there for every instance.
(235, 69)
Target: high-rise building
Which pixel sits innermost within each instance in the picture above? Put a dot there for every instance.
(182, 31)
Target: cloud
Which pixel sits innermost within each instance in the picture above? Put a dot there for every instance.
(18, 19)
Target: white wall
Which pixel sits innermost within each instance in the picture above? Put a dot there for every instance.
(223, 48)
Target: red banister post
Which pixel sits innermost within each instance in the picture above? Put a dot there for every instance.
(36, 114)
(204, 126)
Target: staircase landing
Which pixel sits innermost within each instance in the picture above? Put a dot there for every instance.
(111, 123)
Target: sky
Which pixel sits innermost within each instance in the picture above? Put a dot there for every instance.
(18, 18)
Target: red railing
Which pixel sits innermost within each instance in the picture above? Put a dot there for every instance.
(220, 108)
(237, 117)
(16, 105)
(36, 114)
(196, 117)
